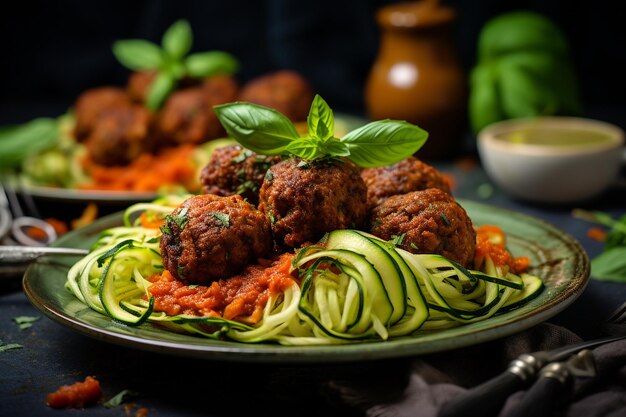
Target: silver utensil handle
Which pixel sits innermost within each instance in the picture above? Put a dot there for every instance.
(26, 254)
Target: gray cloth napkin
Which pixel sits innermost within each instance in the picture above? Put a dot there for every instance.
(432, 380)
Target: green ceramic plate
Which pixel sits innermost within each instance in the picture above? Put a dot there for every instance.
(555, 256)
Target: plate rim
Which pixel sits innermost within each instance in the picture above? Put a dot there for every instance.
(507, 324)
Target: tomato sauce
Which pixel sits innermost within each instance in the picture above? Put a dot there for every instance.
(491, 241)
(77, 395)
(241, 297)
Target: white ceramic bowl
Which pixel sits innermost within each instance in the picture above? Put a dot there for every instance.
(552, 159)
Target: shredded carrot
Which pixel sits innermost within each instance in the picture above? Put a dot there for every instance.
(151, 221)
(491, 241)
(89, 215)
(173, 166)
(596, 233)
(59, 226)
(35, 233)
(129, 410)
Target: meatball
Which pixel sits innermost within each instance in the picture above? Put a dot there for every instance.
(407, 175)
(428, 221)
(209, 237)
(139, 84)
(235, 170)
(188, 115)
(305, 199)
(120, 135)
(286, 91)
(220, 89)
(92, 103)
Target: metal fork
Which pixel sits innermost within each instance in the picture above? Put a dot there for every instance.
(488, 398)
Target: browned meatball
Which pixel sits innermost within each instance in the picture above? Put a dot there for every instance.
(428, 221)
(407, 175)
(92, 103)
(286, 91)
(120, 135)
(188, 115)
(210, 237)
(304, 199)
(235, 170)
(220, 89)
(139, 84)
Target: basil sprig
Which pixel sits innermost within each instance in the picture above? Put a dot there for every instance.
(171, 60)
(610, 265)
(39, 134)
(269, 132)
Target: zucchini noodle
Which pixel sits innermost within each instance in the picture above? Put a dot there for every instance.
(352, 286)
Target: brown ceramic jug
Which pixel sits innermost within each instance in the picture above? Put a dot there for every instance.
(416, 76)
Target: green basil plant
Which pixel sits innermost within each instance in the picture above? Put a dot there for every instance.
(523, 70)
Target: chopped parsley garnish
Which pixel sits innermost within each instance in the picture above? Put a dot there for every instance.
(397, 240)
(180, 219)
(9, 346)
(414, 246)
(119, 398)
(24, 322)
(246, 186)
(271, 216)
(243, 155)
(269, 177)
(303, 165)
(445, 218)
(223, 219)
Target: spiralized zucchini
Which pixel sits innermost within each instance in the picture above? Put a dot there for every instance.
(352, 287)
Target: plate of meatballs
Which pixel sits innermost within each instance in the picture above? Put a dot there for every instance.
(275, 204)
(113, 148)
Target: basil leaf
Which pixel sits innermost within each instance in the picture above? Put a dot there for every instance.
(206, 64)
(138, 54)
(384, 142)
(305, 148)
(320, 121)
(39, 134)
(610, 265)
(177, 40)
(261, 129)
(336, 147)
(161, 87)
